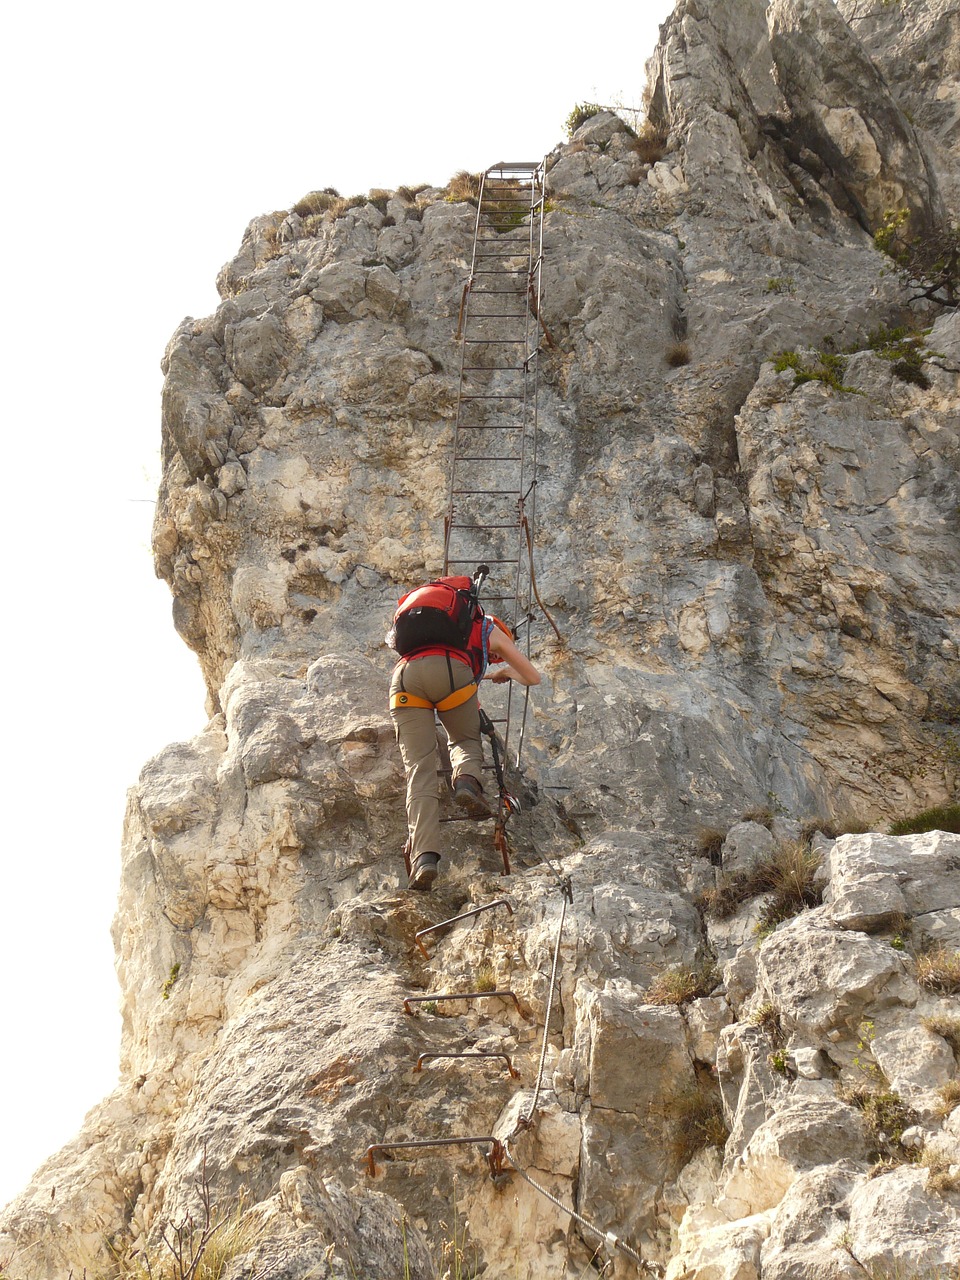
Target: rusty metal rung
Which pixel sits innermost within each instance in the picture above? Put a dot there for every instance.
(467, 915)
(463, 995)
(468, 1053)
(495, 1156)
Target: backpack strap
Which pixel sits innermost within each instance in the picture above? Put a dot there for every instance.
(486, 626)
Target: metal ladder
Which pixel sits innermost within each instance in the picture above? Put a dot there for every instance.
(491, 520)
(491, 508)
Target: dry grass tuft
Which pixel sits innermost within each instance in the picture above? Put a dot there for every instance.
(682, 984)
(949, 1098)
(947, 1027)
(316, 202)
(710, 843)
(787, 874)
(767, 1018)
(939, 970)
(762, 817)
(940, 1177)
(650, 144)
(693, 1116)
(678, 354)
(827, 827)
(464, 186)
(486, 979)
(379, 197)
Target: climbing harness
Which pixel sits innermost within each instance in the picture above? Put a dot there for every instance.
(491, 518)
(455, 699)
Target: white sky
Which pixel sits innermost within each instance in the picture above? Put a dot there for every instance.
(139, 143)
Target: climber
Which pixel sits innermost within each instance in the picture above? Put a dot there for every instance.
(447, 645)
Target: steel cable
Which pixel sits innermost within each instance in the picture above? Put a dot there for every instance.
(614, 1241)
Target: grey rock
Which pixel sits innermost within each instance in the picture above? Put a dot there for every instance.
(746, 843)
(800, 1136)
(600, 129)
(873, 879)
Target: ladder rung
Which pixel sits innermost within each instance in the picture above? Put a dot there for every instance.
(495, 342)
(491, 397)
(486, 561)
(494, 1155)
(466, 915)
(507, 493)
(501, 271)
(515, 525)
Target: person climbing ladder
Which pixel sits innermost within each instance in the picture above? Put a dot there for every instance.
(447, 645)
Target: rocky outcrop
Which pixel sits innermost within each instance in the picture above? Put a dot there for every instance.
(752, 563)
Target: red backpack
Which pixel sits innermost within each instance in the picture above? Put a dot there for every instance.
(441, 613)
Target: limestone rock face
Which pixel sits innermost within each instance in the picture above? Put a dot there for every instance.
(755, 576)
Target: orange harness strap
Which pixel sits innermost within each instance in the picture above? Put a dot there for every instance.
(455, 699)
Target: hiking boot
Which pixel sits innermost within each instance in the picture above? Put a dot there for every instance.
(468, 793)
(424, 871)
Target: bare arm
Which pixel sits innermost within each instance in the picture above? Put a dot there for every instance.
(518, 666)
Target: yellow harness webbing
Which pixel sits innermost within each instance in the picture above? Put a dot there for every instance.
(455, 699)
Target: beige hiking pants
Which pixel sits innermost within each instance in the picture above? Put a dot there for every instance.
(435, 678)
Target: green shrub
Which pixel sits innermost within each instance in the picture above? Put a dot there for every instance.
(904, 348)
(942, 818)
(778, 1062)
(885, 1117)
(929, 263)
(172, 977)
(827, 367)
(580, 114)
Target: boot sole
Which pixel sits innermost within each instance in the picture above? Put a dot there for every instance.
(423, 877)
(474, 805)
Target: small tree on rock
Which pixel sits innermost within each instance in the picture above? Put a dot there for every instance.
(929, 263)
